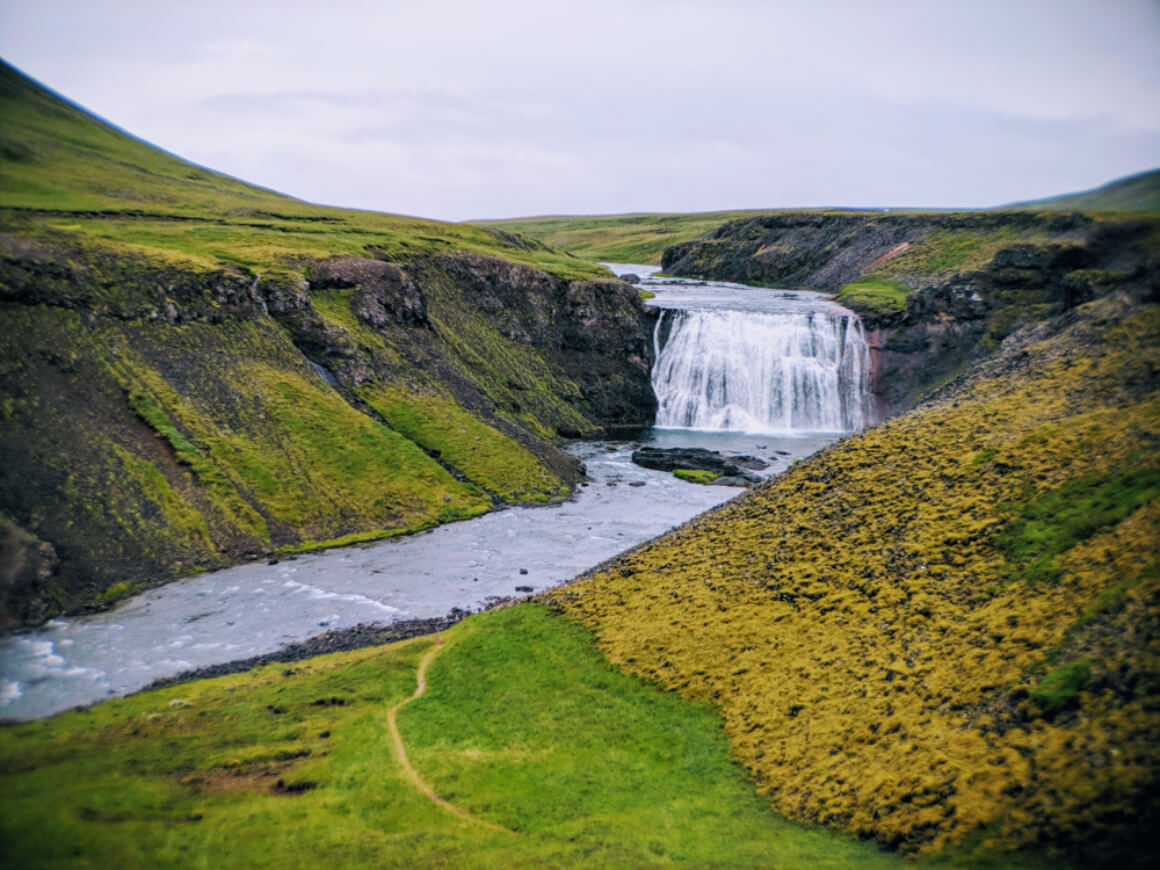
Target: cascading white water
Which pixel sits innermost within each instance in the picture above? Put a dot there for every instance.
(798, 371)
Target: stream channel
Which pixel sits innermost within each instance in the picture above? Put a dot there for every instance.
(257, 608)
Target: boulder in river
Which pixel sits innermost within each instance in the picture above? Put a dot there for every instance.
(697, 459)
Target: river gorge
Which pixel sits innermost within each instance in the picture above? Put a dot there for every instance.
(768, 373)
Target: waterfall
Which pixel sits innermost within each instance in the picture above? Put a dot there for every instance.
(801, 371)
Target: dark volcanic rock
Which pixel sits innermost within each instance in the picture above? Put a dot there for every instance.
(26, 566)
(753, 463)
(698, 459)
(597, 332)
(383, 292)
(630, 277)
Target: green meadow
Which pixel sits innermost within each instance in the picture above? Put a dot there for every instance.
(523, 724)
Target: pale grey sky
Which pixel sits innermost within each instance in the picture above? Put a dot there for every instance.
(456, 109)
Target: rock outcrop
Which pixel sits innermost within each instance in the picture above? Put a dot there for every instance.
(596, 331)
(734, 468)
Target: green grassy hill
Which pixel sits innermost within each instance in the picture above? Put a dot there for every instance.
(194, 370)
(64, 170)
(1135, 193)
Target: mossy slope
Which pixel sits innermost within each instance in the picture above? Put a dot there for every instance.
(905, 636)
(196, 370)
(523, 723)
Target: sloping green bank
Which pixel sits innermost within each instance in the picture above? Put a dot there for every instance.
(945, 631)
(523, 724)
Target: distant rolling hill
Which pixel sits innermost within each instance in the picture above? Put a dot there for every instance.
(642, 238)
(1134, 193)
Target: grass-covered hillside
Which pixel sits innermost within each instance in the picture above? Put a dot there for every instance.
(943, 632)
(195, 370)
(1136, 193)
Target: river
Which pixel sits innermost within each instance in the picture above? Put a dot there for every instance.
(257, 608)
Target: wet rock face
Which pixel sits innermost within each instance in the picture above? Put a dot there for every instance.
(606, 346)
(598, 332)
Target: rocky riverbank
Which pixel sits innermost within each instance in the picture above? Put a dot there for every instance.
(344, 640)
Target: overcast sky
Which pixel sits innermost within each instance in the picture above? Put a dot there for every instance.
(460, 109)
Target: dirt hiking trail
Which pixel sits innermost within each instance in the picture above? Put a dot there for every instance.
(401, 751)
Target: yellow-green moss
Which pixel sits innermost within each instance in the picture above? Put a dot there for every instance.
(874, 294)
(480, 452)
(695, 475)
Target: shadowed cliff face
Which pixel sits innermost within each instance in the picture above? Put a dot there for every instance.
(160, 420)
(596, 331)
(935, 291)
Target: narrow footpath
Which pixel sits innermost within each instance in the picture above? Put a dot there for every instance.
(401, 751)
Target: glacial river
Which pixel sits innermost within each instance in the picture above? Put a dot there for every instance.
(257, 608)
